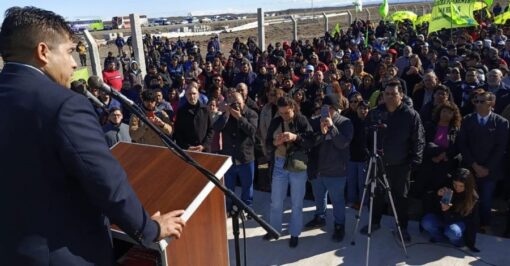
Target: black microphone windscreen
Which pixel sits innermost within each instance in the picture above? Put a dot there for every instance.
(78, 87)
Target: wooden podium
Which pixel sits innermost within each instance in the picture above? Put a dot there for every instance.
(164, 182)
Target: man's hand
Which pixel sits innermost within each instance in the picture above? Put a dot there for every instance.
(326, 123)
(480, 171)
(235, 113)
(170, 223)
(288, 137)
(196, 148)
(157, 121)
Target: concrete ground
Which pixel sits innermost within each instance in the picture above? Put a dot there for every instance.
(316, 248)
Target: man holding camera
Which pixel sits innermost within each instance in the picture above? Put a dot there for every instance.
(400, 144)
(238, 126)
(327, 167)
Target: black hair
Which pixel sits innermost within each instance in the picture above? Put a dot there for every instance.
(148, 96)
(24, 28)
(395, 83)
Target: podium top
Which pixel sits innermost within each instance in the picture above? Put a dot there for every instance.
(163, 181)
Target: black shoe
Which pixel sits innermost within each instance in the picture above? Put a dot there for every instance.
(364, 230)
(406, 236)
(316, 222)
(268, 237)
(339, 233)
(293, 242)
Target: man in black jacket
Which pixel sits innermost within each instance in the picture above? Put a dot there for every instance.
(193, 124)
(327, 166)
(238, 126)
(401, 145)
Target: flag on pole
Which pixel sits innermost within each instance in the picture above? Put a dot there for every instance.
(366, 38)
(384, 9)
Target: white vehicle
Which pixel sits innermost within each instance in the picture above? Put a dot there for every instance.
(125, 23)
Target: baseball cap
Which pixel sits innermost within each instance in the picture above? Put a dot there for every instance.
(310, 68)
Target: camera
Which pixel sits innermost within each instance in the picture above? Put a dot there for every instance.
(236, 106)
(447, 197)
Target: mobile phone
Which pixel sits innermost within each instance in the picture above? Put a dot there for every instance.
(447, 197)
(151, 114)
(325, 111)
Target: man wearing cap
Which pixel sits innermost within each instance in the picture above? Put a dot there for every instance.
(115, 130)
(327, 166)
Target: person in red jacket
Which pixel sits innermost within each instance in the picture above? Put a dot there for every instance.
(112, 77)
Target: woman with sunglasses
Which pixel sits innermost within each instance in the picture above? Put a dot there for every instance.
(454, 215)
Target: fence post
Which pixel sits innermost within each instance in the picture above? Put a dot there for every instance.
(326, 22)
(294, 28)
(261, 29)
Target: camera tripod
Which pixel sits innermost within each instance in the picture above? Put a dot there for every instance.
(375, 174)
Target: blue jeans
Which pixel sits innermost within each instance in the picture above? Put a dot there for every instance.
(334, 186)
(281, 179)
(246, 172)
(486, 191)
(356, 175)
(438, 229)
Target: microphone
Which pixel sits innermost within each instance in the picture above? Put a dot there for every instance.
(80, 88)
(95, 82)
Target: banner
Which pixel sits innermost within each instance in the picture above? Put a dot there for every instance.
(502, 18)
(422, 19)
(80, 74)
(403, 15)
(452, 14)
(384, 9)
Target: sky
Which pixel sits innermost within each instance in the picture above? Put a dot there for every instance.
(106, 9)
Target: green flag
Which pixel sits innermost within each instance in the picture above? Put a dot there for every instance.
(82, 73)
(488, 2)
(384, 9)
(337, 29)
(452, 14)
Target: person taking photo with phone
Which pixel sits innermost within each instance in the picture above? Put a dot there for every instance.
(454, 216)
(328, 164)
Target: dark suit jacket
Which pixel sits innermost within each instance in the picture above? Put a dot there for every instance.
(486, 144)
(60, 181)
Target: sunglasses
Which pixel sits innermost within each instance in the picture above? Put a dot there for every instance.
(479, 101)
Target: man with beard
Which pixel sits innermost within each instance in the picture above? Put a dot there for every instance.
(139, 131)
(193, 124)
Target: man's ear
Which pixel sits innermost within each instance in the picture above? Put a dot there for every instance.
(41, 53)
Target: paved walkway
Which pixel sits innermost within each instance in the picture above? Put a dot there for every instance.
(316, 248)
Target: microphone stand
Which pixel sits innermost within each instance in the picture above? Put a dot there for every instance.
(172, 146)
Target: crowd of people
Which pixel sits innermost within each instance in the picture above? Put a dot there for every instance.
(305, 107)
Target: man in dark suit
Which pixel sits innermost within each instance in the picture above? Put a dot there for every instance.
(61, 186)
(482, 142)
